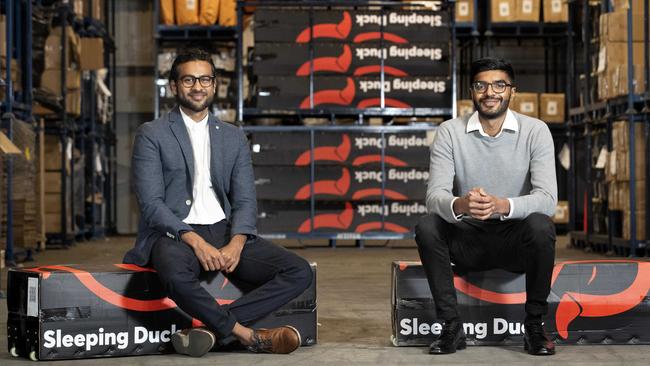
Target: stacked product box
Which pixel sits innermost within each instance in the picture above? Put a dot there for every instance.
(352, 191)
(346, 51)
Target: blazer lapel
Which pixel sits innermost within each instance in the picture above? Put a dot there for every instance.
(216, 155)
(180, 131)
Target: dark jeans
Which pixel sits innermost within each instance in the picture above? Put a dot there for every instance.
(525, 246)
(274, 275)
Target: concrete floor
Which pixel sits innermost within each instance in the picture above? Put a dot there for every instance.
(354, 315)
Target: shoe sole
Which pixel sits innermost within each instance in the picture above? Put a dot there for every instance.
(195, 343)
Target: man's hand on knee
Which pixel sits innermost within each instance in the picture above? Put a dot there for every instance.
(209, 257)
(483, 205)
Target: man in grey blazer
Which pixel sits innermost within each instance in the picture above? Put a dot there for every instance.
(194, 184)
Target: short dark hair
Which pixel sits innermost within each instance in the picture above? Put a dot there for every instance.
(190, 54)
(491, 63)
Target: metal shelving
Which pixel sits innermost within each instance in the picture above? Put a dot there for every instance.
(594, 114)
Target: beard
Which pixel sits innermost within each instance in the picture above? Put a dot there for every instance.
(491, 113)
(186, 102)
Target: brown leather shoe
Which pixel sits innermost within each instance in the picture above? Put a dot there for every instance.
(194, 342)
(283, 340)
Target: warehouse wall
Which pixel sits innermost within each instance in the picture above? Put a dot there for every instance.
(134, 96)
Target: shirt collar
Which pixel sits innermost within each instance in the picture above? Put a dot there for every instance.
(191, 124)
(510, 123)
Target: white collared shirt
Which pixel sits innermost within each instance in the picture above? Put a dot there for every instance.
(474, 124)
(206, 209)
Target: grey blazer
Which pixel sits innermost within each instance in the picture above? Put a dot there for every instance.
(163, 167)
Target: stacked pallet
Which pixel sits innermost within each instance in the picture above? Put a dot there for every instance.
(344, 51)
(25, 219)
(348, 182)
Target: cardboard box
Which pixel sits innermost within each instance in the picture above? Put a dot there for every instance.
(618, 75)
(51, 80)
(364, 59)
(527, 10)
(613, 27)
(129, 311)
(353, 92)
(358, 26)
(53, 222)
(78, 7)
(491, 305)
(3, 36)
(96, 9)
(561, 213)
(73, 102)
(92, 54)
(556, 11)
(615, 53)
(53, 183)
(622, 5)
(503, 11)
(464, 107)
(464, 11)
(526, 103)
(52, 203)
(551, 107)
(640, 225)
(623, 164)
(53, 48)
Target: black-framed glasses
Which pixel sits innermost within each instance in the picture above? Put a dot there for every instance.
(205, 81)
(498, 86)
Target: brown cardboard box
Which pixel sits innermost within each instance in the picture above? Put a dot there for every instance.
(640, 225)
(73, 102)
(503, 11)
(618, 75)
(78, 7)
(53, 48)
(3, 36)
(613, 27)
(623, 164)
(551, 108)
(51, 80)
(556, 11)
(464, 11)
(621, 136)
(527, 10)
(53, 149)
(464, 107)
(96, 9)
(16, 75)
(92, 54)
(52, 203)
(624, 193)
(53, 223)
(52, 182)
(561, 213)
(637, 5)
(615, 53)
(526, 103)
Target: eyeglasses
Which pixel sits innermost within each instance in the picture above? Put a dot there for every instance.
(498, 86)
(205, 81)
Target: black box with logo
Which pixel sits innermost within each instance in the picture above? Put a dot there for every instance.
(353, 92)
(64, 312)
(422, 59)
(591, 302)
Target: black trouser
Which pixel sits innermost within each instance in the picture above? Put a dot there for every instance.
(526, 246)
(273, 275)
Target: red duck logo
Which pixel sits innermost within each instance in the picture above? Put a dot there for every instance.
(339, 30)
(338, 153)
(342, 97)
(340, 221)
(337, 187)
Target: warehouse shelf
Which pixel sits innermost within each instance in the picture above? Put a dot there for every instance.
(369, 112)
(195, 32)
(527, 30)
(587, 124)
(16, 104)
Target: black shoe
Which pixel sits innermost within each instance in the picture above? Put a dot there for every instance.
(452, 337)
(536, 341)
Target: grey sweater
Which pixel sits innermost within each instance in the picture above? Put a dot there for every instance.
(519, 165)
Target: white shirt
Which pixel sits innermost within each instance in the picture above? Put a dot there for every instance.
(206, 209)
(474, 124)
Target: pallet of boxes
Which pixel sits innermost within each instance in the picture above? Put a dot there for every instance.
(619, 178)
(612, 67)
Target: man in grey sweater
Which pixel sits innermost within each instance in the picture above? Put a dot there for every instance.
(492, 190)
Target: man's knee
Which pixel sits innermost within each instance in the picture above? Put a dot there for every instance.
(428, 227)
(541, 231)
(302, 274)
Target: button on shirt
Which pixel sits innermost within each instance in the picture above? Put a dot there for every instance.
(206, 209)
(474, 124)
